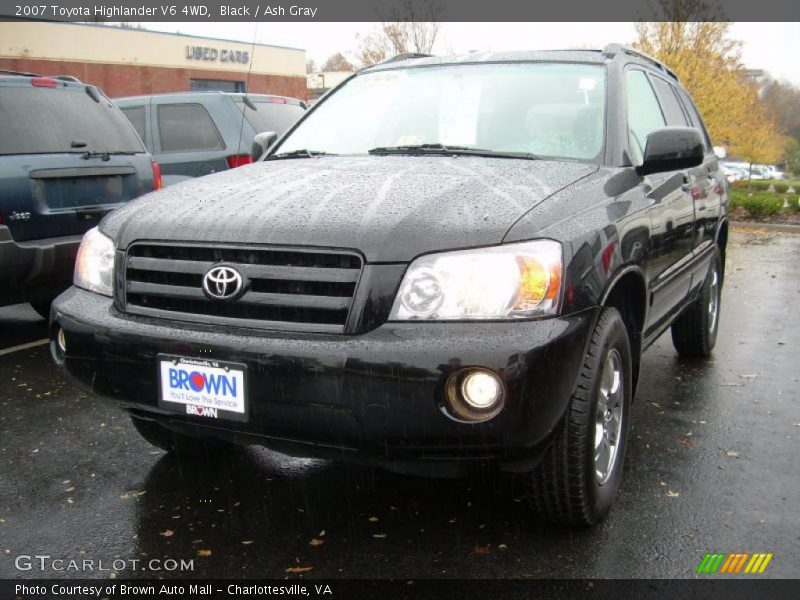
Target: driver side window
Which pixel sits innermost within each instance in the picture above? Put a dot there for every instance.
(644, 113)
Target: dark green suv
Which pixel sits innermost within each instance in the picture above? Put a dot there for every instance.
(68, 156)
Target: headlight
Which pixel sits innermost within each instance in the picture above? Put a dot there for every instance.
(94, 266)
(503, 282)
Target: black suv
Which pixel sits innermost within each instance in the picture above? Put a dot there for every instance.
(192, 134)
(67, 158)
(446, 262)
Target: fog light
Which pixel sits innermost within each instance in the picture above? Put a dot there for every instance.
(475, 394)
(481, 389)
(61, 340)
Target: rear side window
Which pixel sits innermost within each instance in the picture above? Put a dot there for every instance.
(644, 113)
(187, 127)
(271, 116)
(135, 115)
(669, 102)
(695, 118)
(37, 120)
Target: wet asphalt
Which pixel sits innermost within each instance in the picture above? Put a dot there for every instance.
(712, 466)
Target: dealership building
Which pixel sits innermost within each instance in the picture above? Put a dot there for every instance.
(129, 62)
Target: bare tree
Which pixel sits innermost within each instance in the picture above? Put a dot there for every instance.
(414, 30)
(337, 62)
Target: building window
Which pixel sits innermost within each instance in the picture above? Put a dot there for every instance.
(217, 85)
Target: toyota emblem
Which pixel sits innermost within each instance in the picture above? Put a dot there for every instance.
(222, 283)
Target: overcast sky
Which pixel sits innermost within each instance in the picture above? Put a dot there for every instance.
(774, 47)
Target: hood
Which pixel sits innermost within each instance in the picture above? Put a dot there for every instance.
(390, 208)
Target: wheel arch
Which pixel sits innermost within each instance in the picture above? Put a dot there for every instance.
(627, 293)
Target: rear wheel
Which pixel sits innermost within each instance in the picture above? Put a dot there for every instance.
(578, 478)
(161, 437)
(694, 333)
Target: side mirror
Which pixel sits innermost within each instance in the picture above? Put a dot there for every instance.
(720, 152)
(261, 142)
(671, 149)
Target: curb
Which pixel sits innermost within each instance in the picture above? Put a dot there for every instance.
(786, 228)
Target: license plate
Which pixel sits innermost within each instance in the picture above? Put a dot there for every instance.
(202, 388)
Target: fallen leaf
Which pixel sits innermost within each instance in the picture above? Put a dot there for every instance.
(732, 453)
(687, 441)
(373, 519)
(299, 569)
(379, 536)
(481, 549)
(247, 542)
(502, 547)
(203, 552)
(315, 542)
(167, 533)
(322, 533)
(748, 376)
(672, 494)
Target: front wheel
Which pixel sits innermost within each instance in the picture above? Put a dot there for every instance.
(580, 474)
(694, 333)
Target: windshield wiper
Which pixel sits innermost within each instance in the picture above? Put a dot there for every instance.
(442, 150)
(303, 153)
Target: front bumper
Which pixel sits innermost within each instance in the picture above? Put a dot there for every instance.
(37, 270)
(376, 397)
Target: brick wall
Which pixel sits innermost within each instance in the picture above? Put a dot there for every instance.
(132, 80)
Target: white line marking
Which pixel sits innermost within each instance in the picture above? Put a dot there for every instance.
(23, 347)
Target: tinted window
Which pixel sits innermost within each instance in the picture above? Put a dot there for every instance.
(644, 113)
(271, 116)
(695, 117)
(37, 120)
(669, 102)
(136, 117)
(554, 110)
(184, 127)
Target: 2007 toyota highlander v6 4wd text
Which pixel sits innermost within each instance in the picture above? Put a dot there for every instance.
(445, 262)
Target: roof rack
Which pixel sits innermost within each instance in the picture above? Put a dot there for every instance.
(20, 73)
(404, 56)
(612, 50)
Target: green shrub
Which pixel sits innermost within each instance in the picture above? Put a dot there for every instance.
(759, 185)
(780, 187)
(763, 205)
(737, 198)
(739, 184)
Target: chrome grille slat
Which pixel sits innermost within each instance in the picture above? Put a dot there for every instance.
(256, 271)
(286, 288)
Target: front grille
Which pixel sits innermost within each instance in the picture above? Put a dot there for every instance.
(286, 289)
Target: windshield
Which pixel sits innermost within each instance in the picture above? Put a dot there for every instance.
(36, 120)
(548, 110)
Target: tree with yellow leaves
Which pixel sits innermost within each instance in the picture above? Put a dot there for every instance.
(707, 61)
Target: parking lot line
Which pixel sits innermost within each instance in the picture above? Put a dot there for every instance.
(23, 347)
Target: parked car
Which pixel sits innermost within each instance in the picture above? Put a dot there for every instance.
(192, 134)
(444, 263)
(67, 158)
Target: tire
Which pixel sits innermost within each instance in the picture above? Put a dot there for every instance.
(43, 308)
(571, 485)
(694, 332)
(161, 437)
